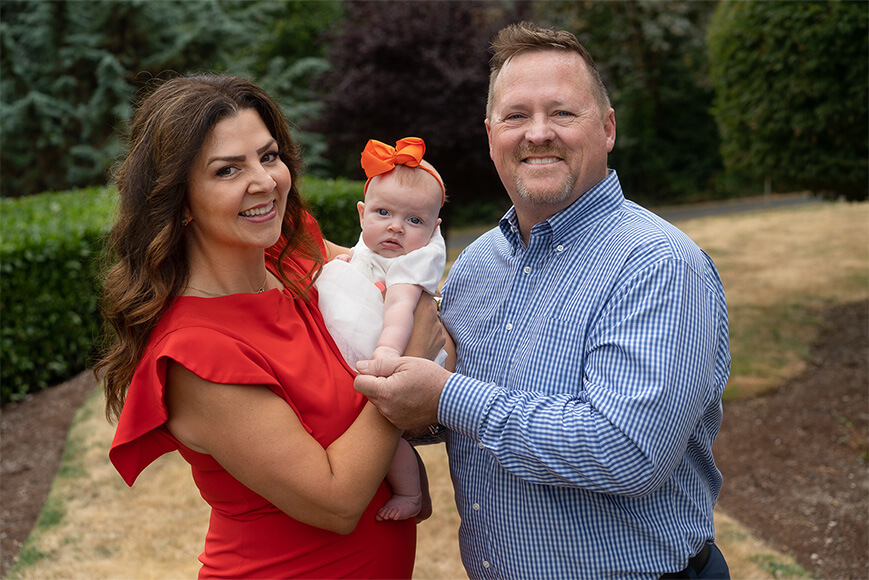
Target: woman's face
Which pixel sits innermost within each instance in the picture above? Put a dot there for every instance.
(238, 187)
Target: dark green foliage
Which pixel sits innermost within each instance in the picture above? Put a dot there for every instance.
(71, 71)
(285, 59)
(333, 203)
(49, 260)
(792, 92)
(652, 58)
(414, 69)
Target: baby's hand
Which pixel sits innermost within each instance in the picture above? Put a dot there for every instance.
(384, 352)
(343, 257)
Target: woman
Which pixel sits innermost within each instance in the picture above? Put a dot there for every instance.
(221, 353)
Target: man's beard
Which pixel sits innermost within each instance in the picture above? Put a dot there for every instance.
(548, 196)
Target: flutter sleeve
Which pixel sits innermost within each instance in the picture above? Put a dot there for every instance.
(141, 436)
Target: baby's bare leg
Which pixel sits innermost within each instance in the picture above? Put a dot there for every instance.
(404, 478)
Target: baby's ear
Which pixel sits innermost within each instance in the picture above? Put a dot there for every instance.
(360, 207)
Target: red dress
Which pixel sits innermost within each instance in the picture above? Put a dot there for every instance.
(275, 340)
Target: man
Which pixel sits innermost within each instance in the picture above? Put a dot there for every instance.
(592, 351)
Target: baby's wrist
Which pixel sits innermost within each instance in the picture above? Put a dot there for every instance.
(382, 352)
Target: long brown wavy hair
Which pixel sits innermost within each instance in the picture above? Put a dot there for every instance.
(145, 252)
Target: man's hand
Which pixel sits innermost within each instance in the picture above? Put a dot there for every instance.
(405, 390)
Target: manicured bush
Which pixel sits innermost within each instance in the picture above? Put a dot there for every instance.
(791, 93)
(333, 203)
(49, 261)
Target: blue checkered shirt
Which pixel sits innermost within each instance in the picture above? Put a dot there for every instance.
(587, 396)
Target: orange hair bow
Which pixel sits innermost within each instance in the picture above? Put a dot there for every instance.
(379, 158)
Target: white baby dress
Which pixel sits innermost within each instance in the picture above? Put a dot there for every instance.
(352, 306)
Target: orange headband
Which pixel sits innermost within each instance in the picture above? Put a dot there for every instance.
(379, 158)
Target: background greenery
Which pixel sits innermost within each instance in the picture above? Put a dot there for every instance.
(712, 99)
(791, 92)
(49, 267)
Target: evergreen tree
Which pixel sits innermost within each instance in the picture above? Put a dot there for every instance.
(71, 71)
(792, 92)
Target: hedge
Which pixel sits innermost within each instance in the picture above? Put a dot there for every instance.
(49, 261)
(333, 203)
(50, 247)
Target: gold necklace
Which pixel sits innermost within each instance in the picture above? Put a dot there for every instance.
(260, 291)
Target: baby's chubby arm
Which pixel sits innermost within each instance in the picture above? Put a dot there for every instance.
(398, 306)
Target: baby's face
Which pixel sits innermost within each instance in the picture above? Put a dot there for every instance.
(397, 219)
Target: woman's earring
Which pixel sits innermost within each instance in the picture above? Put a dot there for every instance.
(186, 221)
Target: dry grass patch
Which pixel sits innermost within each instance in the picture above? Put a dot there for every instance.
(780, 269)
(94, 526)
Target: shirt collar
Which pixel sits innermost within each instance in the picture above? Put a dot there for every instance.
(565, 226)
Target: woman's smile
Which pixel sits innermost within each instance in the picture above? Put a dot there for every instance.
(260, 213)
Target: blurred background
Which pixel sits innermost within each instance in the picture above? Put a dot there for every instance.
(713, 99)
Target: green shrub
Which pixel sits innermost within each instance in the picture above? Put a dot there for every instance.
(49, 261)
(333, 203)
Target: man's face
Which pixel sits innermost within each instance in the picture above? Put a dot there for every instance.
(547, 136)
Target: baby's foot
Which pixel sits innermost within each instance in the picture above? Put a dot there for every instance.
(400, 507)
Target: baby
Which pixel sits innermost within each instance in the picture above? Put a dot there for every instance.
(368, 297)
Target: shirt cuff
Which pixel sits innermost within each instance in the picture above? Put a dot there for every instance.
(465, 403)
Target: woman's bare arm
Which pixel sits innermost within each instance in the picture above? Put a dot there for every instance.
(257, 437)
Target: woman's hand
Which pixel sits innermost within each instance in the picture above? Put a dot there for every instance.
(334, 250)
(427, 338)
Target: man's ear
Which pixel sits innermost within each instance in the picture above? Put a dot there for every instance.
(360, 207)
(489, 136)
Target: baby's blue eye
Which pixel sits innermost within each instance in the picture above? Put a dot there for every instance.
(382, 212)
(415, 220)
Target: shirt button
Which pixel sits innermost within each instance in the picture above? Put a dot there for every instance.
(559, 247)
(509, 326)
(527, 269)
(486, 564)
(476, 507)
(481, 446)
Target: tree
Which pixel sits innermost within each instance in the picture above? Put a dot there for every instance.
(288, 55)
(791, 92)
(72, 69)
(419, 69)
(651, 55)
